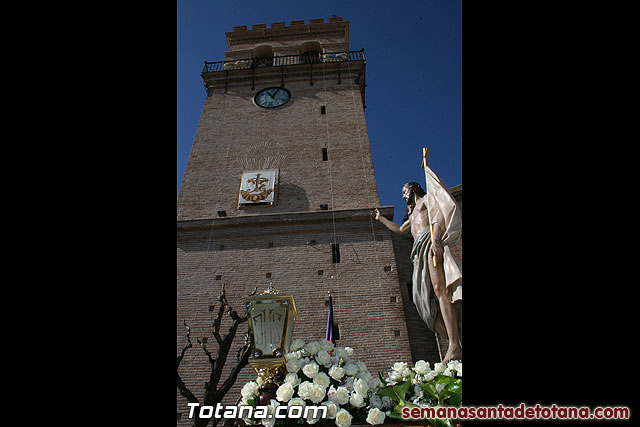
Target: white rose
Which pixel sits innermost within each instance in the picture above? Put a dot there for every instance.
(332, 409)
(395, 376)
(350, 369)
(323, 358)
(341, 396)
(366, 376)
(453, 363)
(399, 367)
(349, 383)
(311, 419)
(317, 393)
(311, 369)
(271, 409)
(292, 379)
(322, 380)
(268, 422)
(296, 344)
(406, 373)
(429, 376)
(362, 368)
(422, 367)
(312, 347)
(361, 386)
(448, 372)
(343, 418)
(284, 392)
(340, 352)
(304, 389)
(375, 383)
(249, 390)
(439, 368)
(349, 351)
(326, 345)
(293, 366)
(336, 372)
(292, 355)
(356, 400)
(296, 401)
(375, 416)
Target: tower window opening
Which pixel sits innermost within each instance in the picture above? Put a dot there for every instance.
(335, 252)
(323, 109)
(310, 52)
(325, 155)
(263, 56)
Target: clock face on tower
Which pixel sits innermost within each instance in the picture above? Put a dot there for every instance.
(272, 97)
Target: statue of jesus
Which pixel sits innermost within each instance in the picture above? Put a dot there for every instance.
(437, 277)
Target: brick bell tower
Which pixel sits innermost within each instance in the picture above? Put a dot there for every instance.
(279, 187)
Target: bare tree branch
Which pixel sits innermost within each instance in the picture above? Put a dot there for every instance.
(189, 345)
(184, 391)
(243, 357)
(213, 394)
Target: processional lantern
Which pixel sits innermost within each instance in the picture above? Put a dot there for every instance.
(271, 321)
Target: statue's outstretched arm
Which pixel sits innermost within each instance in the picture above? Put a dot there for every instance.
(399, 229)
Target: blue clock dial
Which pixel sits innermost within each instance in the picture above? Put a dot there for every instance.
(272, 97)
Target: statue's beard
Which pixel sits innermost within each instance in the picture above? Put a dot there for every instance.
(411, 204)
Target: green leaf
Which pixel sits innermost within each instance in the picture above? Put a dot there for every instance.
(387, 391)
(396, 392)
(395, 416)
(443, 379)
(382, 380)
(430, 389)
(455, 399)
(401, 389)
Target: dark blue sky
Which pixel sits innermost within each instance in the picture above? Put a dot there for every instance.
(413, 76)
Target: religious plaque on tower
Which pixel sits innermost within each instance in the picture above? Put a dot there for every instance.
(258, 187)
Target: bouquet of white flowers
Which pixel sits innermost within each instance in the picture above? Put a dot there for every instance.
(319, 373)
(421, 386)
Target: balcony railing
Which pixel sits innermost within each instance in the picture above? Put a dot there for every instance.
(277, 61)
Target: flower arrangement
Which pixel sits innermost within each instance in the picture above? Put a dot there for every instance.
(320, 373)
(421, 386)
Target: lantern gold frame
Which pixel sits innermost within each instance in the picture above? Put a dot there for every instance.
(271, 322)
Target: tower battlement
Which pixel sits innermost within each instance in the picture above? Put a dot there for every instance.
(332, 35)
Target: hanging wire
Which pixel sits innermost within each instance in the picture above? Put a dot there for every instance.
(366, 180)
(218, 187)
(330, 163)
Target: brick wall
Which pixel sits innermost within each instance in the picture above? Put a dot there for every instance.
(233, 130)
(368, 301)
